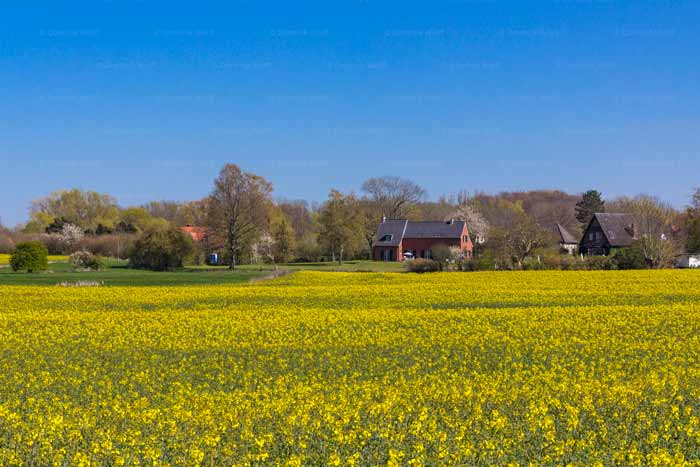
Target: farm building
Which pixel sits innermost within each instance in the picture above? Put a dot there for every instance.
(606, 232)
(566, 241)
(198, 234)
(398, 239)
(688, 261)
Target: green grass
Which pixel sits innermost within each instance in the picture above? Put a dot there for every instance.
(117, 273)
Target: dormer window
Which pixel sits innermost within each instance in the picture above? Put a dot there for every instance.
(386, 238)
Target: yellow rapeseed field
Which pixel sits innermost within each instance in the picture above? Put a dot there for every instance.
(5, 258)
(334, 369)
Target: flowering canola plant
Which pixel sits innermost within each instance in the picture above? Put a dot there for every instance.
(5, 258)
(330, 369)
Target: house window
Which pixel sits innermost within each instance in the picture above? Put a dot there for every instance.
(386, 238)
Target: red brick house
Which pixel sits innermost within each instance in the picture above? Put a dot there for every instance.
(395, 238)
(198, 234)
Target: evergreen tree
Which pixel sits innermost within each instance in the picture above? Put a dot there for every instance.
(590, 203)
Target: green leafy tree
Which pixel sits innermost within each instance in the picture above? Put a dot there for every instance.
(86, 209)
(160, 249)
(340, 226)
(591, 202)
(631, 257)
(30, 257)
(441, 253)
(284, 241)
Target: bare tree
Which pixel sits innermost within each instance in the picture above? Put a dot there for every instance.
(238, 208)
(393, 195)
(653, 227)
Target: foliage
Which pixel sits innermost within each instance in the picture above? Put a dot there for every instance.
(441, 253)
(70, 234)
(421, 265)
(631, 257)
(600, 263)
(515, 237)
(160, 249)
(86, 260)
(308, 249)
(238, 209)
(113, 246)
(356, 369)
(653, 227)
(692, 224)
(86, 209)
(477, 225)
(591, 202)
(7, 243)
(339, 220)
(30, 257)
(284, 241)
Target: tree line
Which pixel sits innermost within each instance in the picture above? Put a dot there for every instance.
(246, 224)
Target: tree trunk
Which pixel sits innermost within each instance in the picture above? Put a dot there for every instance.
(341, 256)
(232, 264)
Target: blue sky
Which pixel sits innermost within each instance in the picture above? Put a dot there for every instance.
(147, 100)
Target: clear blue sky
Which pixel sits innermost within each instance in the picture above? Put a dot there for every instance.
(147, 99)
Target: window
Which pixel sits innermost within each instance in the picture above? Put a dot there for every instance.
(386, 238)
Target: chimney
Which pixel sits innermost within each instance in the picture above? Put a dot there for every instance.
(383, 219)
(451, 221)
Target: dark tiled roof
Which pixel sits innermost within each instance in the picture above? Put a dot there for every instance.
(393, 228)
(434, 229)
(618, 228)
(400, 229)
(564, 235)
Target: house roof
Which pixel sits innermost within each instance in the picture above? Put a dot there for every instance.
(618, 228)
(391, 232)
(449, 229)
(565, 236)
(394, 229)
(196, 232)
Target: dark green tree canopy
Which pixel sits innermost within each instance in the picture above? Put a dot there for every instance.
(590, 203)
(30, 257)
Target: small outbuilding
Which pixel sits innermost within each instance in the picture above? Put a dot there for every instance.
(689, 261)
(566, 241)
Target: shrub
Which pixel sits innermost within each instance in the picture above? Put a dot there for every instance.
(630, 258)
(113, 246)
(160, 249)
(604, 263)
(30, 257)
(86, 260)
(421, 265)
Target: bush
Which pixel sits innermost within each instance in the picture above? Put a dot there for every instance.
(86, 260)
(630, 258)
(308, 250)
(30, 257)
(604, 263)
(421, 265)
(160, 249)
(112, 246)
